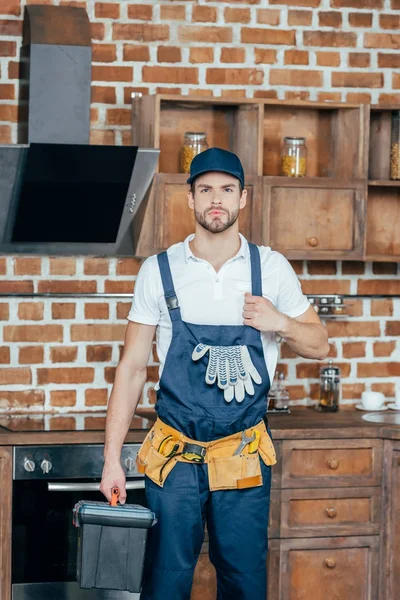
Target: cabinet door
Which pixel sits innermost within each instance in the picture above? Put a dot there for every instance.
(390, 572)
(174, 221)
(329, 569)
(314, 218)
(5, 522)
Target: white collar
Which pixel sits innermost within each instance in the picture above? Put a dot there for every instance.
(243, 251)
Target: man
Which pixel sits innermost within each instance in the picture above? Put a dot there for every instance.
(217, 304)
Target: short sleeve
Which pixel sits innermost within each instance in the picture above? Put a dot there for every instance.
(290, 301)
(145, 308)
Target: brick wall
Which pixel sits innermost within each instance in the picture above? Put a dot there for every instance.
(60, 353)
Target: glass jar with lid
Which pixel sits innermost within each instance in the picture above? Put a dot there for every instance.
(193, 144)
(330, 388)
(294, 157)
(395, 146)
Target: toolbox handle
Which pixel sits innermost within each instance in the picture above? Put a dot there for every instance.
(56, 486)
(114, 496)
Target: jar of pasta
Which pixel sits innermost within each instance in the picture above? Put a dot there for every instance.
(395, 146)
(294, 157)
(193, 144)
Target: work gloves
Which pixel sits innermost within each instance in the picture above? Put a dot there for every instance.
(232, 366)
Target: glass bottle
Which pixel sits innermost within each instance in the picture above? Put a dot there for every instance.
(294, 157)
(329, 389)
(193, 144)
(282, 395)
(395, 146)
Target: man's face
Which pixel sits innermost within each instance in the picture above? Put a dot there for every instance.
(216, 201)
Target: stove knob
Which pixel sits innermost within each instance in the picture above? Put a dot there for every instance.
(129, 463)
(29, 465)
(46, 466)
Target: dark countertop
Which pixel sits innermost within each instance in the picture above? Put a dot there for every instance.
(300, 424)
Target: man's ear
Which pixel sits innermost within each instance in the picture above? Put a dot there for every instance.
(190, 199)
(243, 199)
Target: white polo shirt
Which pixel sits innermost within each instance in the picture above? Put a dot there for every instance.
(210, 298)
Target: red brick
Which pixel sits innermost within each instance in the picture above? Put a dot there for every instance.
(63, 310)
(309, 3)
(62, 398)
(358, 98)
(233, 55)
(300, 18)
(353, 267)
(353, 79)
(271, 94)
(140, 32)
(65, 375)
(395, 4)
(170, 54)
(94, 115)
(297, 392)
(111, 73)
(67, 287)
(140, 12)
(382, 40)
(330, 96)
(378, 369)
(359, 59)
(237, 15)
(21, 400)
(325, 286)
(293, 77)
(172, 13)
(170, 75)
(210, 34)
(384, 268)
(330, 18)
(136, 53)
(104, 53)
(97, 333)
(30, 311)
(311, 370)
(97, 30)
(103, 94)
(267, 16)
(286, 351)
(62, 266)
(296, 57)
(168, 90)
(8, 48)
(96, 397)
(15, 376)
(16, 287)
(321, 267)
(5, 134)
(379, 287)
(233, 93)
(33, 333)
(106, 10)
(10, 27)
(389, 21)
(252, 35)
(29, 355)
(297, 266)
(10, 7)
(123, 309)
(128, 91)
(200, 92)
(297, 95)
(353, 350)
(97, 310)
(357, 4)
(96, 266)
(128, 266)
(384, 348)
(235, 76)
(353, 328)
(392, 328)
(5, 357)
(201, 55)
(118, 287)
(333, 39)
(388, 61)
(360, 19)
(3, 266)
(59, 354)
(352, 391)
(118, 116)
(385, 388)
(354, 308)
(102, 137)
(204, 14)
(264, 56)
(382, 308)
(109, 374)
(389, 99)
(27, 266)
(98, 353)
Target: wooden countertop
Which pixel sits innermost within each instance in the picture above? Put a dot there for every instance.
(300, 424)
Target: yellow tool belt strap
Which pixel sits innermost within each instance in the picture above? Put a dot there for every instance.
(164, 445)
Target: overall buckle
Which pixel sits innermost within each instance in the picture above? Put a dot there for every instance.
(172, 302)
(194, 452)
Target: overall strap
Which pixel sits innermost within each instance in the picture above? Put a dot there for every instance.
(256, 278)
(168, 285)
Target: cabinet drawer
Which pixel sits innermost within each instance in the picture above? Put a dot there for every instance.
(346, 511)
(325, 463)
(330, 569)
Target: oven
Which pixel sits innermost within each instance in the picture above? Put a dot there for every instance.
(47, 482)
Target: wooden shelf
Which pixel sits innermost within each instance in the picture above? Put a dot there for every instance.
(384, 183)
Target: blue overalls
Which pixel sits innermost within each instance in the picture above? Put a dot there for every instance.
(237, 520)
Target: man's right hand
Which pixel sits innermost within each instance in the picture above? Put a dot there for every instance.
(113, 476)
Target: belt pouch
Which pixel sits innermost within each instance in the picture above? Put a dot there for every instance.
(234, 472)
(111, 544)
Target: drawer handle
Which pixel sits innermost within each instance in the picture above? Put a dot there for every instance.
(331, 512)
(333, 463)
(330, 563)
(313, 241)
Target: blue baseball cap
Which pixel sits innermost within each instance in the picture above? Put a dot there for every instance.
(216, 159)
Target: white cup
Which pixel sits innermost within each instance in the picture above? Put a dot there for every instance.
(372, 400)
(397, 398)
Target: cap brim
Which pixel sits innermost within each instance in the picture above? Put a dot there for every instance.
(193, 177)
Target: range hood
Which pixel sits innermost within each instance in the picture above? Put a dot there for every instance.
(59, 194)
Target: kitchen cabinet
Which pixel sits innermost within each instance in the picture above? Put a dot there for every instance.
(390, 547)
(5, 521)
(300, 217)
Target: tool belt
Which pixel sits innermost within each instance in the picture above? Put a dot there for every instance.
(233, 461)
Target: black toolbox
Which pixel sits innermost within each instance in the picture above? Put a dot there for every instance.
(111, 544)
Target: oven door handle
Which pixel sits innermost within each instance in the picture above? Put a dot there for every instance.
(56, 486)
